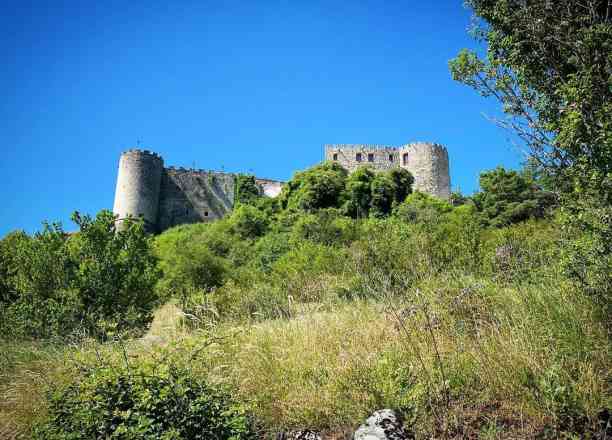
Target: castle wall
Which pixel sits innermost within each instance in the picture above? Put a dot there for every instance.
(138, 186)
(167, 197)
(377, 157)
(428, 163)
(192, 196)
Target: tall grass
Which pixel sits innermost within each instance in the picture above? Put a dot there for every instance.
(494, 343)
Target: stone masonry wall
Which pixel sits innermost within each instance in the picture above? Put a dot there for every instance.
(191, 196)
(377, 157)
(167, 197)
(138, 185)
(428, 163)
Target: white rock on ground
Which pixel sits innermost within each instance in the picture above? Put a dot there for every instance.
(384, 424)
(300, 435)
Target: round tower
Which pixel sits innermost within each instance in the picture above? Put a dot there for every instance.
(138, 187)
(428, 163)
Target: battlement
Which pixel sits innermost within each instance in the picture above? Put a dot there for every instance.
(143, 153)
(170, 196)
(426, 161)
(176, 170)
(359, 147)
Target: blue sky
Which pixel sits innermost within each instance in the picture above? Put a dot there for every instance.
(244, 86)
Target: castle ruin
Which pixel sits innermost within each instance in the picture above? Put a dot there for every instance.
(167, 197)
(427, 162)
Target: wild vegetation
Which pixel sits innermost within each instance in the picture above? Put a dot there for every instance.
(484, 317)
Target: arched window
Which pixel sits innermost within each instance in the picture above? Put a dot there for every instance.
(358, 157)
(335, 156)
(405, 159)
(390, 158)
(370, 157)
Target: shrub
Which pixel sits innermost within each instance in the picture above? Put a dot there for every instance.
(303, 272)
(143, 401)
(268, 249)
(249, 222)
(257, 301)
(509, 197)
(247, 190)
(359, 193)
(99, 280)
(326, 227)
(383, 194)
(321, 186)
(421, 208)
(190, 267)
(456, 239)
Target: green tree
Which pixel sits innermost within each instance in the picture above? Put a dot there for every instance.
(508, 197)
(42, 302)
(359, 192)
(402, 181)
(549, 65)
(321, 186)
(384, 191)
(247, 190)
(117, 272)
(98, 280)
(249, 222)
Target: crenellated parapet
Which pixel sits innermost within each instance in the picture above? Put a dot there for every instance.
(166, 197)
(428, 162)
(353, 156)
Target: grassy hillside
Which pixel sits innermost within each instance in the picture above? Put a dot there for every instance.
(314, 319)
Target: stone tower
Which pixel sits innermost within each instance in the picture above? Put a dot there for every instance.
(138, 187)
(428, 163)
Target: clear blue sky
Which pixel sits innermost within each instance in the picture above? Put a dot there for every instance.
(251, 86)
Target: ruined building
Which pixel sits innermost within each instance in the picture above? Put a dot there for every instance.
(167, 197)
(427, 162)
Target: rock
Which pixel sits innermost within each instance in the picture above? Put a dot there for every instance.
(300, 435)
(384, 424)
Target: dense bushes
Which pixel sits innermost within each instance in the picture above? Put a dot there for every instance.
(96, 281)
(256, 264)
(322, 315)
(509, 197)
(142, 401)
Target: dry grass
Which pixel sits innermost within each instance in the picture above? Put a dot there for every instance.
(462, 358)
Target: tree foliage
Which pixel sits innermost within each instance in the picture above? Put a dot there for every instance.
(508, 197)
(321, 186)
(247, 190)
(98, 280)
(143, 401)
(549, 65)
